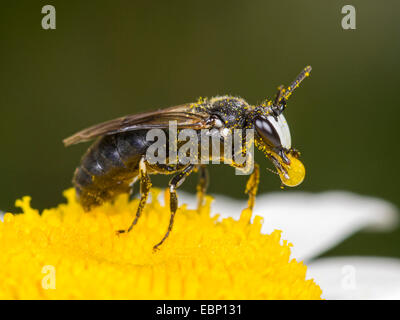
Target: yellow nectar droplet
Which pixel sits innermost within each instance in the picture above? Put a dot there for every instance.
(296, 172)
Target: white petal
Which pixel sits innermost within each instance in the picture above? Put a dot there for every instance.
(313, 222)
(357, 277)
(316, 222)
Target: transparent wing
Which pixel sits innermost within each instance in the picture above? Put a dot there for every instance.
(185, 116)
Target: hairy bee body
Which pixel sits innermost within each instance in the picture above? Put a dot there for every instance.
(111, 164)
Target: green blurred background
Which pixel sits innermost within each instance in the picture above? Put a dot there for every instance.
(111, 58)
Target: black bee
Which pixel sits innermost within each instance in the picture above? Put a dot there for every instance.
(118, 158)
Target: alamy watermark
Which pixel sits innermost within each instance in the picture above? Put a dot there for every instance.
(49, 20)
(349, 20)
(49, 280)
(348, 280)
(188, 146)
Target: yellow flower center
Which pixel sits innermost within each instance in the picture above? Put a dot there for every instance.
(65, 253)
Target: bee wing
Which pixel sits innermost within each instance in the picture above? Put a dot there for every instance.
(185, 116)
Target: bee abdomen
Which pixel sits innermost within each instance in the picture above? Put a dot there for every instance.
(109, 166)
(102, 174)
(102, 157)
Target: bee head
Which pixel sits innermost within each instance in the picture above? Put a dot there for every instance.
(273, 134)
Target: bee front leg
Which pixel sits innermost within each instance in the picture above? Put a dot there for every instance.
(202, 185)
(145, 185)
(252, 186)
(175, 182)
(252, 183)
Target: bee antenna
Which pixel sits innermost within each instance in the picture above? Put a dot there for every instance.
(283, 94)
(303, 74)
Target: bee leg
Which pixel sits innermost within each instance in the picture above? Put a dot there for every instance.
(145, 185)
(132, 193)
(202, 185)
(174, 183)
(252, 186)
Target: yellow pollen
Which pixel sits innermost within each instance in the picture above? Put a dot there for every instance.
(64, 253)
(295, 170)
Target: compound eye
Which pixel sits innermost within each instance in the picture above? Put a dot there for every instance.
(267, 132)
(217, 121)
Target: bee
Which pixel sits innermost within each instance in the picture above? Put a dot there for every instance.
(117, 159)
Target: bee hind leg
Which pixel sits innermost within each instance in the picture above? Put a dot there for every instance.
(174, 183)
(145, 185)
(202, 185)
